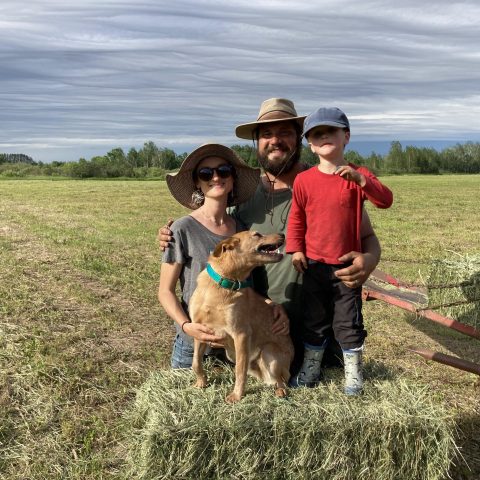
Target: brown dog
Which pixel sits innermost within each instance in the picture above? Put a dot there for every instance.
(224, 301)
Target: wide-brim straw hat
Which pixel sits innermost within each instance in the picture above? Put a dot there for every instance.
(271, 110)
(181, 184)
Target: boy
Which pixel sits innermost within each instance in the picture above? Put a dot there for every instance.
(324, 223)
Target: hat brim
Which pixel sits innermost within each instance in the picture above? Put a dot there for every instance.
(327, 124)
(246, 130)
(181, 184)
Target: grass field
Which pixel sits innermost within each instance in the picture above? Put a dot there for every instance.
(81, 328)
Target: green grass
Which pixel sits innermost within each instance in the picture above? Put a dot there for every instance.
(430, 218)
(81, 329)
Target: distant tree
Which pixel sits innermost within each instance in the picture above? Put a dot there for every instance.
(461, 158)
(421, 160)
(118, 165)
(80, 169)
(394, 161)
(132, 157)
(116, 156)
(149, 155)
(354, 157)
(247, 153)
(181, 157)
(308, 157)
(168, 159)
(374, 162)
(16, 158)
(99, 166)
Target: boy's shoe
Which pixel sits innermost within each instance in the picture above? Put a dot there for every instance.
(353, 371)
(309, 374)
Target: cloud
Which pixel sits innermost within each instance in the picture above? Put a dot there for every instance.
(82, 77)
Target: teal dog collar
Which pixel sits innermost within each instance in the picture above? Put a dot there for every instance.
(227, 283)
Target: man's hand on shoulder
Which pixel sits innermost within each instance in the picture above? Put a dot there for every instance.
(164, 235)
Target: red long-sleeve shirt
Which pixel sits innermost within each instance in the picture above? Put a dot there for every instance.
(326, 214)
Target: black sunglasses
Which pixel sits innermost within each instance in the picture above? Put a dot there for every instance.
(223, 171)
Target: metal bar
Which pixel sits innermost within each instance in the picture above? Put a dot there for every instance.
(450, 323)
(454, 304)
(411, 296)
(386, 278)
(455, 362)
(370, 293)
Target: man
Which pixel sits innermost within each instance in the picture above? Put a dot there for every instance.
(277, 133)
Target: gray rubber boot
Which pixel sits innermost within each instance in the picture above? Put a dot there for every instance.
(353, 371)
(309, 373)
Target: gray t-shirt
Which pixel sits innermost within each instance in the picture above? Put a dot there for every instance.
(191, 245)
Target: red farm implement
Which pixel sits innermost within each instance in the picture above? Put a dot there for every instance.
(386, 288)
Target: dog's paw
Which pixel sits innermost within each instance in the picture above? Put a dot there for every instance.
(233, 398)
(281, 392)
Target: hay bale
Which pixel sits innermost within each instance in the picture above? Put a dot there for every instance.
(394, 431)
(454, 288)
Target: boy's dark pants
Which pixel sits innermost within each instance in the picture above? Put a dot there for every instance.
(331, 308)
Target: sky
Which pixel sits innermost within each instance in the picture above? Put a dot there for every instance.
(79, 78)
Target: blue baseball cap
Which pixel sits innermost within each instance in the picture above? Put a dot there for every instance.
(333, 117)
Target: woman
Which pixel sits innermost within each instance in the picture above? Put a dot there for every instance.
(210, 179)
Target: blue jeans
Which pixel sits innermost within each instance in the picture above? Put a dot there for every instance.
(182, 354)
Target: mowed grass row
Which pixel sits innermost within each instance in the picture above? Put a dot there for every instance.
(81, 328)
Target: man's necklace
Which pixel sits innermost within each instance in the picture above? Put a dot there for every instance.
(270, 206)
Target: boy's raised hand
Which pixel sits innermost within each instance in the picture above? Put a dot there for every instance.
(349, 173)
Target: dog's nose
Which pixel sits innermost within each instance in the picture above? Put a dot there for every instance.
(282, 235)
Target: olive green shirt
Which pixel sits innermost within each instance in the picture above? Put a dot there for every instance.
(267, 212)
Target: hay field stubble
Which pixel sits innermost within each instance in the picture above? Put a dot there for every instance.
(81, 328)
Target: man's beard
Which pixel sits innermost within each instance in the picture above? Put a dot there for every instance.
(280, 167)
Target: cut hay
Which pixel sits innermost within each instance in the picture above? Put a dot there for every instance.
(454, 288)
(395, 431)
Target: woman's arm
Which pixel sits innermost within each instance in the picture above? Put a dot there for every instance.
(169, 275)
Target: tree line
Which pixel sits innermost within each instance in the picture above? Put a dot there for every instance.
(150, 161)
(16, 158)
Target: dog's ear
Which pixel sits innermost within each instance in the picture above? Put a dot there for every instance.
(224, 245)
